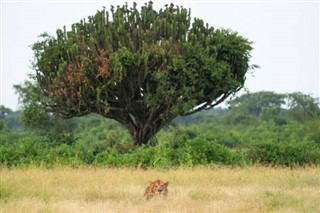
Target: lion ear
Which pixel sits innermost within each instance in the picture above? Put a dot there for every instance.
(166, 184)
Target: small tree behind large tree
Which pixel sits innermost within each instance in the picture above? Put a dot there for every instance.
(141, 68)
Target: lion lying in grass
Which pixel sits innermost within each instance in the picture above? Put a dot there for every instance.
(156, 188)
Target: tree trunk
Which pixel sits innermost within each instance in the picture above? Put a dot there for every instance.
(141, 127)
(140, 136)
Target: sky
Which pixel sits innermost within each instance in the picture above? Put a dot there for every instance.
(285, 36)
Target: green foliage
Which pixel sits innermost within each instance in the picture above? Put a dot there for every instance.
(204, 138)
(4, 112)
(286, 154)
(312, 126)
(140, 68)
(33, 116)
(184, 152)
(302, 107)
(24, 152)
(248, 107)
(1, 125)
(13, 121)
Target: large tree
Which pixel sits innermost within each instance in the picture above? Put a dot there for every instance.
(255, 103)
(4, 111)
(303, 107)
(141, 68)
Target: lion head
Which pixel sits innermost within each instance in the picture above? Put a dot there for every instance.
(156, 188)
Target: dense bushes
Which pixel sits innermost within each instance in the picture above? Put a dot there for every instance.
(174, 150)
(256, 130)
(184, 152)
(287, 154)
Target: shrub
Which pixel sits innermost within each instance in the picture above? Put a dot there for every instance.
(286, 154)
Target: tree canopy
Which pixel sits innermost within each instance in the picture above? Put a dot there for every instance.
(255, 103)
(141, 68)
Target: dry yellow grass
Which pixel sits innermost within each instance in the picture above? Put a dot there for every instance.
(190, 190)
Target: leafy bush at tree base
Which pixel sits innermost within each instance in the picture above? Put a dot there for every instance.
(248, 133)
(183, 152)
(178, 150)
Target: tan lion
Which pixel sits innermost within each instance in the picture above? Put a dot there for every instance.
(156, 188)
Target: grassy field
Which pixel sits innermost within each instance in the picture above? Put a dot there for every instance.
(255, 189)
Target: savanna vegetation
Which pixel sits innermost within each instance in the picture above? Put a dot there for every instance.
(137, 88)
(198, 190)
(129, 96)
(261, 128)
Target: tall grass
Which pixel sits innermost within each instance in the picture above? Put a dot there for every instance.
(216, 189)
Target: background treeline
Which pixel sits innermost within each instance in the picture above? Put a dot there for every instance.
(258, 128)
